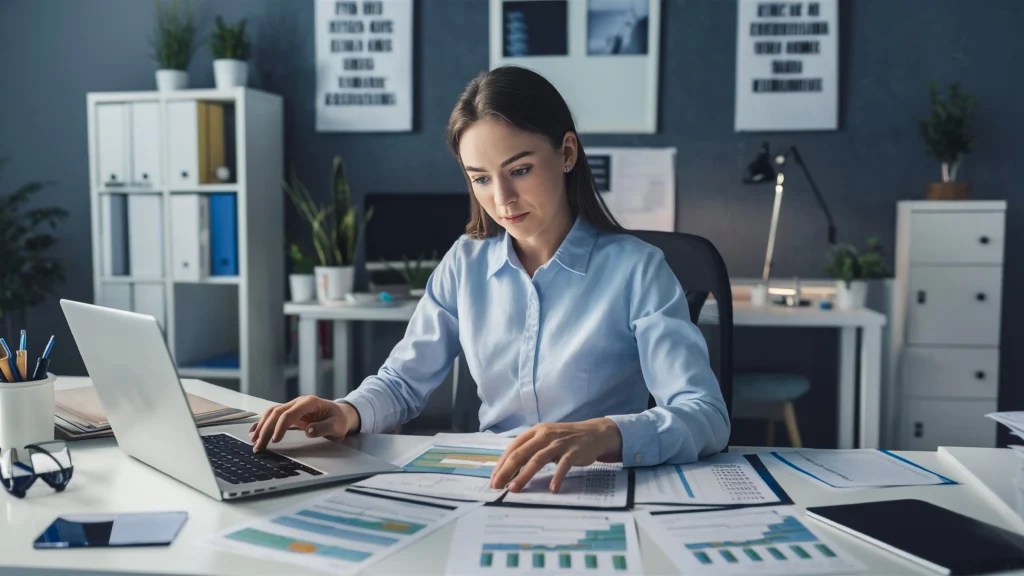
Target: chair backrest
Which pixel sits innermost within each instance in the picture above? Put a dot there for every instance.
(701, 272)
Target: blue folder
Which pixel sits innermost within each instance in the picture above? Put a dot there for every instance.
(223, 235)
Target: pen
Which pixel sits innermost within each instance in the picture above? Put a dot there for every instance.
(43, 364)
(23, 356)
(7, 363)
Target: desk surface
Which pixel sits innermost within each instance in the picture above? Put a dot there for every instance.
(106, 480)
(744, 314)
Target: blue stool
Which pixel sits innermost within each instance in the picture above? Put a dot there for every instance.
(771, 396)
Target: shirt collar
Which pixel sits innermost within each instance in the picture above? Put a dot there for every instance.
(573, 254)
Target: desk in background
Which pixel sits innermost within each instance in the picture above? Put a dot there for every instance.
(107, 480)
(867, 324)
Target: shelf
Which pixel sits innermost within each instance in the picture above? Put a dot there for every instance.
(223, 280)
(227, 373)
(128, 190)
(129, 280)
(206, 189)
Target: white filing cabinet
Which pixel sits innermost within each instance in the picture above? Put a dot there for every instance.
(946, 322)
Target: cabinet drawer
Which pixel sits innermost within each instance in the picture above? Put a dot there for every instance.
(927, 424)
(950, 372)
(146, 144)
(183, 144)
(954, 305)
(957, 238)
(113, 127)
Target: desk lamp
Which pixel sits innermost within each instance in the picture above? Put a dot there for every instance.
(761, 171)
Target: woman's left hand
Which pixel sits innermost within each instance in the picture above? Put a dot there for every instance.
(567, 444)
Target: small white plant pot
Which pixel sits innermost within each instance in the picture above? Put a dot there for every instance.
(26, 412)
(303, 288)
(759, 295)
(417, 292)
(168, 80)
(333, 282)
(853, 297)
(229, 73)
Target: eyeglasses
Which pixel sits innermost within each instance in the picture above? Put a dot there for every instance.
(51, 461)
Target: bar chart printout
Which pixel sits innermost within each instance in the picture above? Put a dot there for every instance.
(762, 541)
(503, 541)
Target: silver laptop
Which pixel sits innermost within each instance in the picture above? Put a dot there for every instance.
(138, 385)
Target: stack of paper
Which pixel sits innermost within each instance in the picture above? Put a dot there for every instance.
(79, 415)
(1015, 422)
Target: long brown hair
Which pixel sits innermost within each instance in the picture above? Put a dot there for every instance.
(529, 102)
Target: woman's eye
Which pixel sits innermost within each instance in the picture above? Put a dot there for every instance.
(521, 171)
(480, 180)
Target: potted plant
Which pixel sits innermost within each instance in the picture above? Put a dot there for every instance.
(947, 133)
(230, 50)
(174, 43)
(28, 273)
(336, 232)
(301, 279)
(416, 274)
(852, 270)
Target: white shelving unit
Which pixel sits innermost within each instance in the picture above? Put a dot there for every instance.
(148, 145)
(946, 322)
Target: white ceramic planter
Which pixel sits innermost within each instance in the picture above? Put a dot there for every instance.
(229, 73)
(26, 412)
(167, 80)
(853, 297)
(333, 282)
(302, 287)
(417, 292)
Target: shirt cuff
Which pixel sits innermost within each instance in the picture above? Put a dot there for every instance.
(363, 404)
(639, 439)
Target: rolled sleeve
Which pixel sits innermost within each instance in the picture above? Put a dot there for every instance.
(639, 439)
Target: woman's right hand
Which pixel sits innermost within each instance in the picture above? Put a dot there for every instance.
(319, 418)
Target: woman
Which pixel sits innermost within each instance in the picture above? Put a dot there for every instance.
(564, 320)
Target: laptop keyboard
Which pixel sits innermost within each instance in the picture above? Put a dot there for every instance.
(234, 461)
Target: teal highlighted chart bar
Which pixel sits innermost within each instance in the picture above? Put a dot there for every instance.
(776, 554)
(486, 559)
(825, 550)
(512, 560)
(538, 559)
(729, 556)
(590, 560)
(564, 561)
(752, 555)
(800, 552)
(619, 562)
(703, 558)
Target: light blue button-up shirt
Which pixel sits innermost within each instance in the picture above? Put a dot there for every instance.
(596, 328)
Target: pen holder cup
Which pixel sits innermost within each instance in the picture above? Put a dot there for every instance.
(26, 412)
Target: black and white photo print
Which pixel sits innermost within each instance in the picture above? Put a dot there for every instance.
(535, 28)
(616, 27)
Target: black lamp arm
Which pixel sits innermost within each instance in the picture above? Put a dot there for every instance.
(817, 194)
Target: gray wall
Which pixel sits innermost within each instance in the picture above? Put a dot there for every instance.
(54, 51)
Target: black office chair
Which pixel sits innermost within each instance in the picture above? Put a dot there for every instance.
(701, 272)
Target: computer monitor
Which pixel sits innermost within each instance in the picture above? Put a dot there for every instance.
(413, 226)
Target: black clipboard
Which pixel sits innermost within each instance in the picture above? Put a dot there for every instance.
(630, 493)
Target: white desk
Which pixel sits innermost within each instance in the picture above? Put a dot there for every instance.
(106, 480)
(867, 323)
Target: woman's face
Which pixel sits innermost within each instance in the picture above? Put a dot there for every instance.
(518, 176)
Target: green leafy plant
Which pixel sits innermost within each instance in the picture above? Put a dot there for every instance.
(175, 36)
(229, 41)
(301, 264)
(416, 273)
(848, 264)
(947, 132)
(27, 272)
(336, 230)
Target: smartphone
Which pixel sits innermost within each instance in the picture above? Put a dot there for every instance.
(109, 530)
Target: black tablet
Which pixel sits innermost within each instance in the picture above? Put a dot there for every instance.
(932, 536)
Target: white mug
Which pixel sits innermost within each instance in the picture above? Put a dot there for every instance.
(759, 295)
(26, 412)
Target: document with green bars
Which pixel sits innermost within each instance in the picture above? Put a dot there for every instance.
(514, 540)
(761, 541)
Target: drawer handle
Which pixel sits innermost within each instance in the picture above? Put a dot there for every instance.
(145, 176)
(184, 174)
(981, 296)
(983, 239)
(921, 297)
(113, 177)
(980, 374)
(918, 429)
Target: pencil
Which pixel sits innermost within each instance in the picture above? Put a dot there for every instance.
(23, 363)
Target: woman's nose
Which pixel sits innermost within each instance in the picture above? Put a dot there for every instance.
(504, 192)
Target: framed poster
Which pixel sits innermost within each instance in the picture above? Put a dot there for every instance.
(601, 55)
(363, 65)
(787, 65)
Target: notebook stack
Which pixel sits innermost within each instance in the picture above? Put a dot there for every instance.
(1015, 422)
(79, 415)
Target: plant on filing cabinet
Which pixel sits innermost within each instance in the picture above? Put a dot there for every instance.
(230, 49)
(174, 42)
(947, 133)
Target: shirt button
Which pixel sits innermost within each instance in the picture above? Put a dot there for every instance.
(638, 458)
